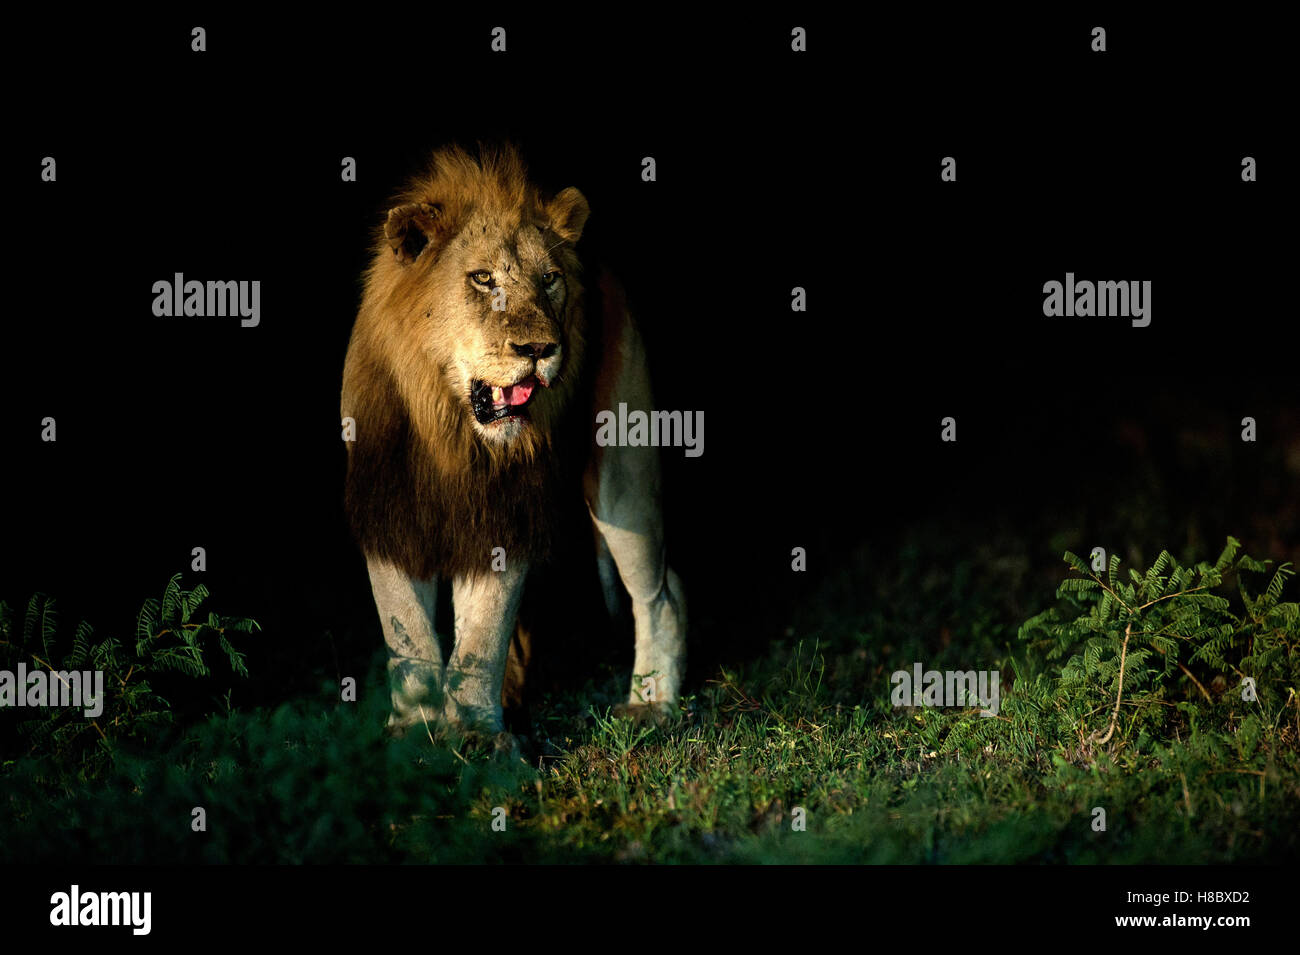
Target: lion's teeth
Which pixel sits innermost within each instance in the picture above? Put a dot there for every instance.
(498, 395)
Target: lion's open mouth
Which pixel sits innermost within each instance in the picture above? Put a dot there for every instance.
(494, 402)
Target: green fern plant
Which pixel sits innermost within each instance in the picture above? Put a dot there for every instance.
(1138, 649)
(170, 638)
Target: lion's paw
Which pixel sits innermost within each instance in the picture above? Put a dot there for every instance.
(655, 714)
(500, 745)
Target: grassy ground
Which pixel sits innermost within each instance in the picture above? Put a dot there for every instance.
(798, 755)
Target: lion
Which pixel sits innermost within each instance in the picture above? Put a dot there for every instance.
(477, 360)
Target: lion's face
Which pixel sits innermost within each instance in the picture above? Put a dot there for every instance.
(504, 292)
(490, 283)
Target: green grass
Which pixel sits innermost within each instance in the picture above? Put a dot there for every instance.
(806, 725)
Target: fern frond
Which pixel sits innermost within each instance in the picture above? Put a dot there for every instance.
(171, 601)
(1229, 551)
(190, 601)
(49, 627)
(1275, 585)
(81, 645)
(234, 656)
(146, 623)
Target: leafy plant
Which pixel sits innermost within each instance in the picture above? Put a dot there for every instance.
(1158, 641)
(170, 638)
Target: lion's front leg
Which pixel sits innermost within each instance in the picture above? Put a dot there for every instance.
(486, 606)
(406, 611)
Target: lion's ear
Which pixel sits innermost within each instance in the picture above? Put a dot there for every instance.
(568, 213)
(410, 228)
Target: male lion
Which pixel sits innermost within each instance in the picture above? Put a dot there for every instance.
(476, 350)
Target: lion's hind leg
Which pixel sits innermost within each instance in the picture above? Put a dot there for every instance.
(634, 535)
(623, 490)
(514, 691)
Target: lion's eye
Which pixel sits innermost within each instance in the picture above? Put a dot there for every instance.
(550, 278)
(481, 277)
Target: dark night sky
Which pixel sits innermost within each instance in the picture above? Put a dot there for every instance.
(775, 170)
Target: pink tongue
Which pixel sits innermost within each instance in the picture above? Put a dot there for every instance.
(520, 393)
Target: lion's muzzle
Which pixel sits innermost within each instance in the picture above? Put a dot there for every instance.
(495, 402)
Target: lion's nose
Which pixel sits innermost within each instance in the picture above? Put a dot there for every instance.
(536, 350)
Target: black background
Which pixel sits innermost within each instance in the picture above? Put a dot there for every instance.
(775, 169)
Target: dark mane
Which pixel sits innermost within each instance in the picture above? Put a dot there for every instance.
(427, 519)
